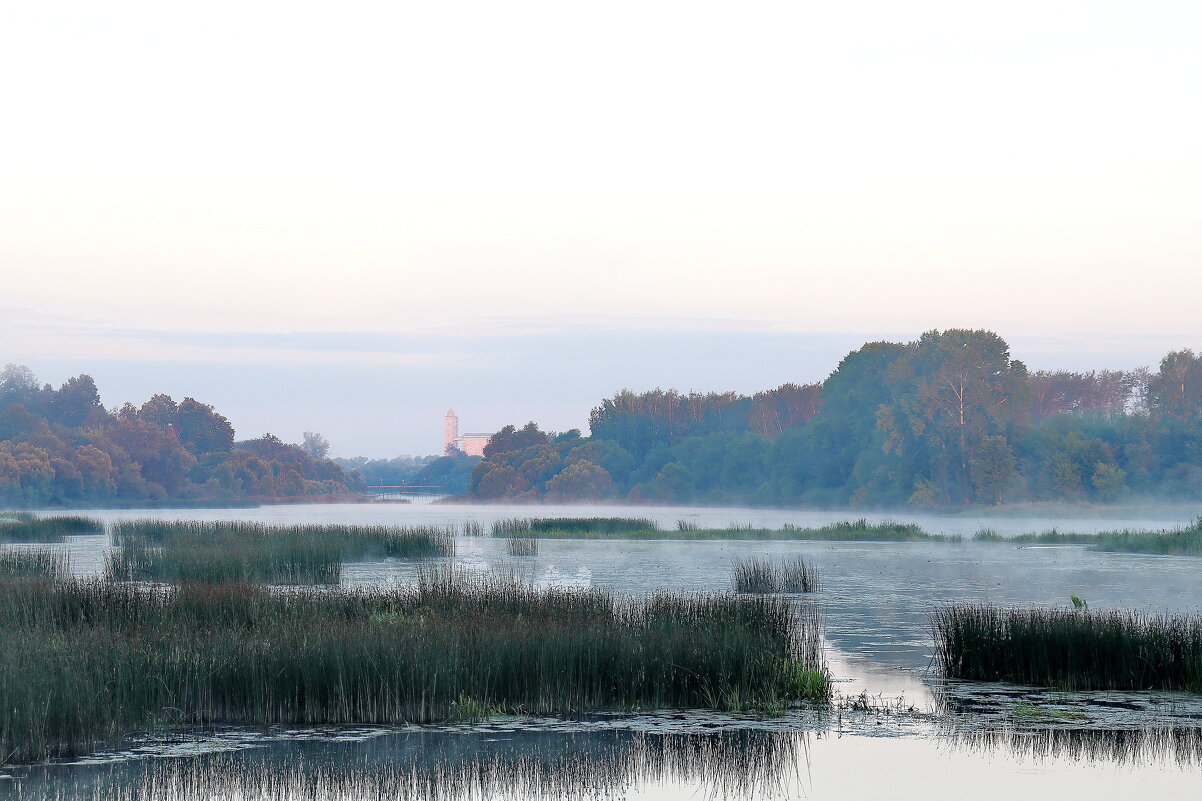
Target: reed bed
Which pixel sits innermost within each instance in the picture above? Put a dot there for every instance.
(43, 562)
(1050, 537)
(26, 527)
(758, 575)
(644, 529)
(1071, 648)
(82, 662)
(473, 528)
(252, 552)
(521, 546)
(1182, 541)
(572, 527)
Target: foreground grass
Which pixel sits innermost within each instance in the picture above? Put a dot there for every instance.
(163, 550)
(27, 527)
(83, 662)
(1074, 649)
(645, 529)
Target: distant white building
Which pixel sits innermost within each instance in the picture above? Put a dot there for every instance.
(471, 444)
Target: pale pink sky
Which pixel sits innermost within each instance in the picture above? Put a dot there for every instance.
(172, 173)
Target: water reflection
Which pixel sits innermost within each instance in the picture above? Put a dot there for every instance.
(1181, 746)
(429, 766)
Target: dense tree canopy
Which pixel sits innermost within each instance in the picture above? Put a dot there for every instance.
(61, 446)
(947, 420)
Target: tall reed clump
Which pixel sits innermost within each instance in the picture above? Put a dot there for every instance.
(1070, 648)
(82, 662)
(473, 528)
(43, 562)
(1181, 541)
(573, 527)
(244, 551)
(521, 546)
(757, 575)
(25, 527)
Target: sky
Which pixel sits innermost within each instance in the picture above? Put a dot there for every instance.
(350, 217)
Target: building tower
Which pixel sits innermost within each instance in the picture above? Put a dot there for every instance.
(450, 431)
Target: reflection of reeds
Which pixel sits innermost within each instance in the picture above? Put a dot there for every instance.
(1069, 648)
(522, 546)
(436, 766)
(1157, 745)
(83, 661)
(44, 562)
(26, 527)
(794, 574)
(244, 551)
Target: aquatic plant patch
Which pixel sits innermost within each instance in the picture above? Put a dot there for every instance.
(1076, 649)
(82, 662)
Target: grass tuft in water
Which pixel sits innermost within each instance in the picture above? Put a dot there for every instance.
(1076, 649)
(521, 546)
(757, 575)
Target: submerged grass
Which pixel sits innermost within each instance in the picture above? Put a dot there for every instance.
(217, 552)
(26, 527)
(82, 662)
(757, 575)
(1072, 648)
(642, 529)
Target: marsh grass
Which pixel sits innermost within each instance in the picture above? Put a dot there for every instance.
(643, 529)
(82, 662)
(1181, 541)
(26, 527)
(1050, 537)
(252, 552)
(1076, 649)
(521, 546)
(760, 575)
(43, 562)
(567, 527)
(473, 528)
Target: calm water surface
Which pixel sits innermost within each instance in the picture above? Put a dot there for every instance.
(898, 729)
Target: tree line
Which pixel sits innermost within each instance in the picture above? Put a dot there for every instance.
(62, 447)
(948, 420)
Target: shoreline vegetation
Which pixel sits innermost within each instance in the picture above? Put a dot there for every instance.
(146, 546)
(85, 662)
(1075, 649)
(641, 528)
